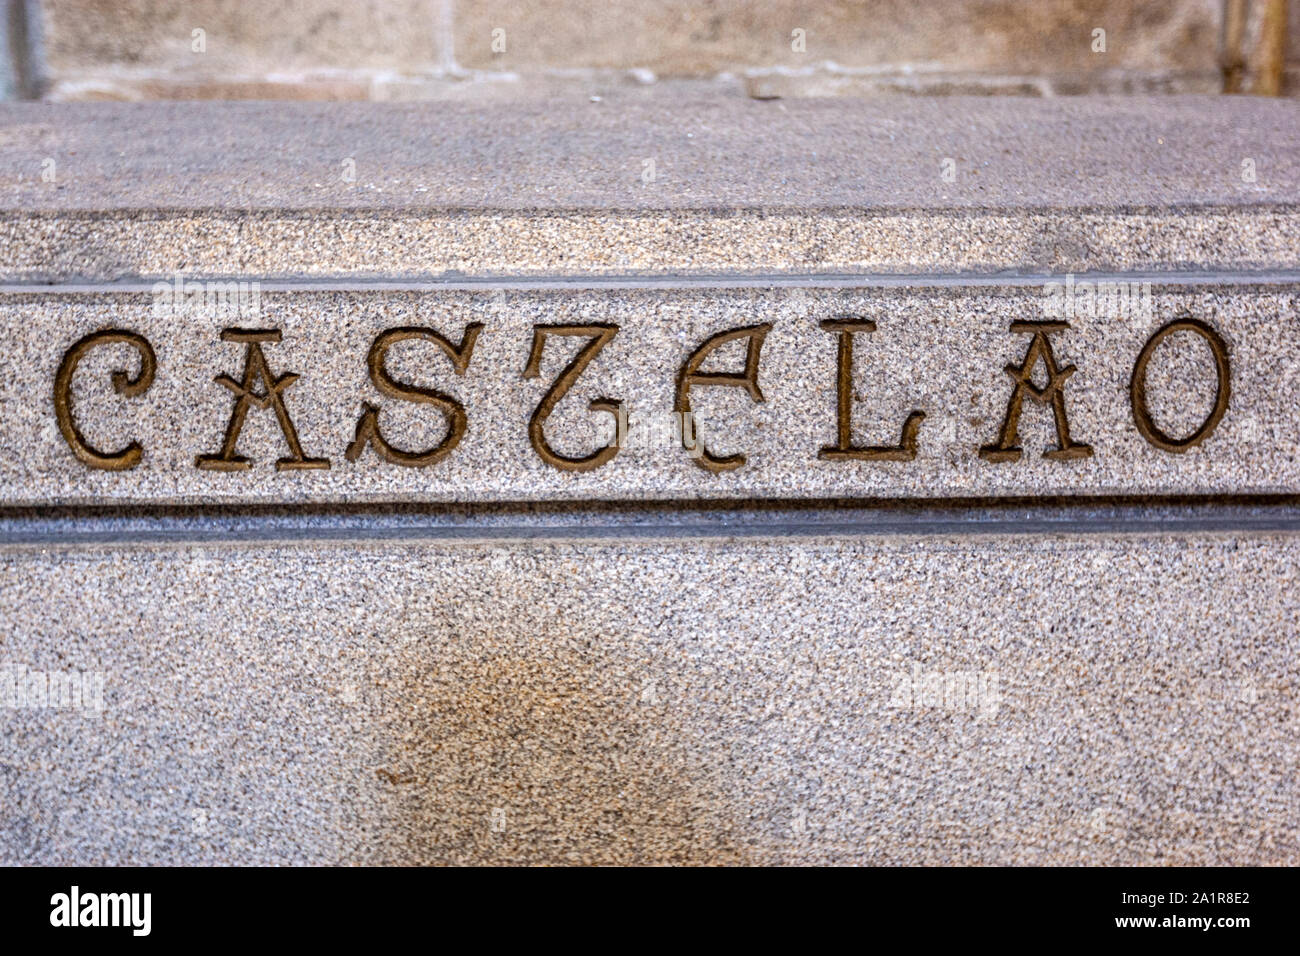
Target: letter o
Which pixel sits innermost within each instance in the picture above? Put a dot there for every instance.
(1138, 387)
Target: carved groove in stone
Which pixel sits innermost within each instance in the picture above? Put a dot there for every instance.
(457, 421)
(129, 456)
(255, 367)
(601, 334)
(690, 374)
(843, 449)
(1138, 386)
(1040, 349)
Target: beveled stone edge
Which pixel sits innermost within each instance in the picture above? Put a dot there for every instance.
(721, 520)
(669, 281)
(151, 244)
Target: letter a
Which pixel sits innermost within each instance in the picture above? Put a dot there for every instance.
(1006, 448)
(59, 914)
(690, 375)
(255, 367)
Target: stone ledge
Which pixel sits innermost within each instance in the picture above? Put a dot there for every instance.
(936, 187)
(941, 350)
(1113, 153)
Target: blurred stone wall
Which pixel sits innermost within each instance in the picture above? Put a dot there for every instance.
(453, 49)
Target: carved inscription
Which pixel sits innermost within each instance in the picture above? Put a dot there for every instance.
(748, 379)
(258, 388)
(1138, 386)
(600, 336)
(457, 421)
(905, 450)
(129, 456)
(255, 369)
(1040, 350)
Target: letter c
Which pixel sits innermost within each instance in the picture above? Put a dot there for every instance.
(129, 456)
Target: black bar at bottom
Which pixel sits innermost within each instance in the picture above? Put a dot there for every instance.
(966, 907)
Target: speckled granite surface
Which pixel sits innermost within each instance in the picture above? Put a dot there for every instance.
(1021, 153)
(1090, 661)
(1004, 699)
(416, 244)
